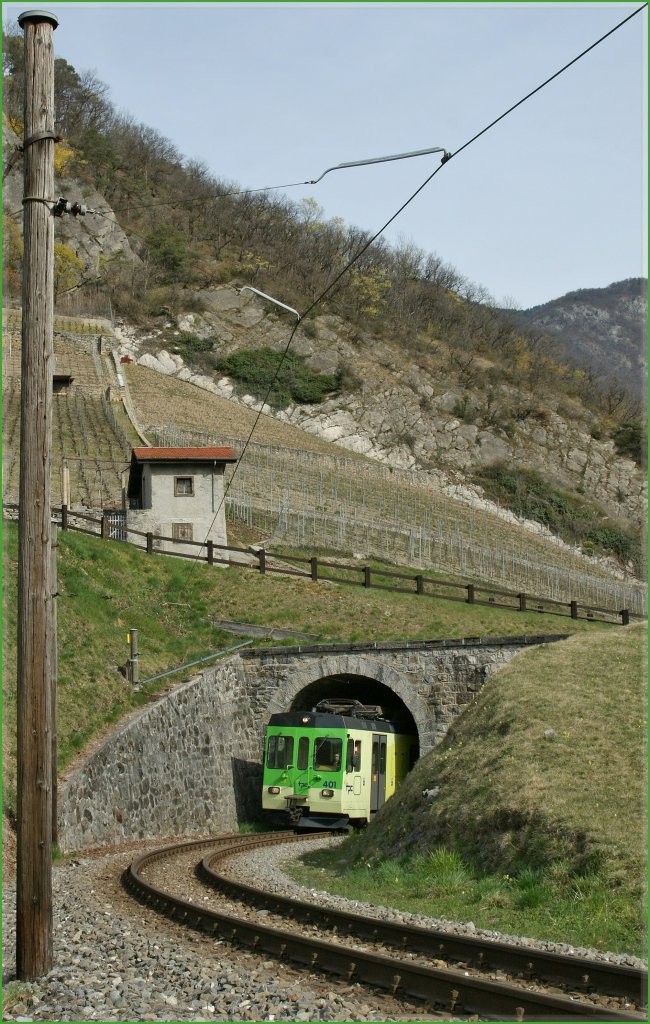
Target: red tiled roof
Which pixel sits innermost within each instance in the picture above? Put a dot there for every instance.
(184, 455)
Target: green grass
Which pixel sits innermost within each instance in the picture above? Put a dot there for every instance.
(553, 904)
(539, 824)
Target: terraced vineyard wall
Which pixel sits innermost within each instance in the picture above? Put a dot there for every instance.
(90, 434)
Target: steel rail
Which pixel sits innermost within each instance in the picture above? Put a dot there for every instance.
(555, 968)
(449, 989)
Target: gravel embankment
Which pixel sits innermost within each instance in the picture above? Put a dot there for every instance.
(116, 960)
(267, 864)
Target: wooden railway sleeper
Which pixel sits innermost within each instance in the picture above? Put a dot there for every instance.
(418, 982)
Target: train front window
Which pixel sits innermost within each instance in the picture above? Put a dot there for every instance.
(280, 751)
(327, 754)
(303, 752)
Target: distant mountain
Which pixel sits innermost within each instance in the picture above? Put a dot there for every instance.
(605, 329)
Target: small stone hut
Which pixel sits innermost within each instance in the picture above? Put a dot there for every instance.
(179, 493)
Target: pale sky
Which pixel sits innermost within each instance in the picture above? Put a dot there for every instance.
(550, 200)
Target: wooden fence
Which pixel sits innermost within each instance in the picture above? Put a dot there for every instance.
(319, 569)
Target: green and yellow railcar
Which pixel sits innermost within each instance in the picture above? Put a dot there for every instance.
(333, 766)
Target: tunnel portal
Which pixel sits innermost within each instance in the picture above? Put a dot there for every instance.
(361, 688)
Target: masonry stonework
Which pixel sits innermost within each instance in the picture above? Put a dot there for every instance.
(190, 764)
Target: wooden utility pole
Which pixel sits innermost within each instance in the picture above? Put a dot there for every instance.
(35, 585)
(53, 630)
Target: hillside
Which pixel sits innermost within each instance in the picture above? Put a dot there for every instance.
(536, 796)
(431, 410)
(295, 488)
(404, 362)
(602, 329)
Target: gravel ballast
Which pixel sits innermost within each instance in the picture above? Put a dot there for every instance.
(116, 960)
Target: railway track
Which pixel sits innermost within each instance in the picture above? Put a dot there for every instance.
(592, 990)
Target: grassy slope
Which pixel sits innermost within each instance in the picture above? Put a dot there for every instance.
(106, 588)
(544, 835)
(494, 771)
(498, 774)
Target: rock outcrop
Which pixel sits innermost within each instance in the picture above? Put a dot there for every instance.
(405, 414)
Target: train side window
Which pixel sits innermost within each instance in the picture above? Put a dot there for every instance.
(353, 756)
(303, 752)
(327, 754)
(280, 751)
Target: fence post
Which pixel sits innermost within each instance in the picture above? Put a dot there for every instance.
(366, 576)
(419, 584)
(210, 546)
(261, 554)
(104, 528)
(64, 517)
(625, 617)
(470, 593)
(150, 543)
(574, 609)
(313, 563)
(522, 602)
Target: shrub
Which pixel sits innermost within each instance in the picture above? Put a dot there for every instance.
(67, 268)
(612, 538)
(629, 441)
(309, 328)
(575, 519)
(193, 342)
(269, 377)
(168, 250)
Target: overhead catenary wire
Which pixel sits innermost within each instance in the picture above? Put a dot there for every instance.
(447, 157)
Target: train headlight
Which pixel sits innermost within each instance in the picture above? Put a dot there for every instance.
(274, 789)
(327, 793)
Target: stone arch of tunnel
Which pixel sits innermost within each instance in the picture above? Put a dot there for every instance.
(362, 688)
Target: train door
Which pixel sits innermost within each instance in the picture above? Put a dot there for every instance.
(378, 773)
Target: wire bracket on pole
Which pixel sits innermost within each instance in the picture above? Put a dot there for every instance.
(20, 148)
(38, 199)
(37, 138)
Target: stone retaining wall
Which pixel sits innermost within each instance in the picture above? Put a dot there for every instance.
(190, 764)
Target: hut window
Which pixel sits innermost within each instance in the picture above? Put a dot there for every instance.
(182, 531)
(183, 486)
